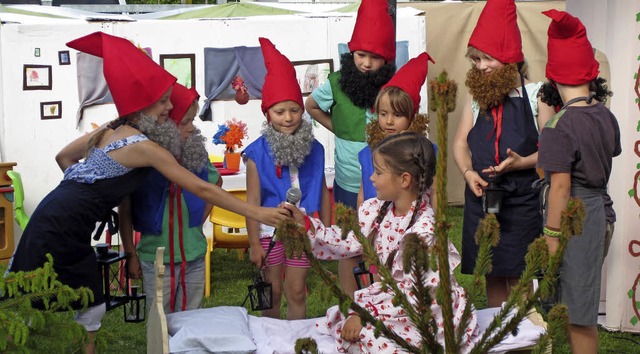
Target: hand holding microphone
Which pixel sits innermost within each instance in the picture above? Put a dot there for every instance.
(292, 198)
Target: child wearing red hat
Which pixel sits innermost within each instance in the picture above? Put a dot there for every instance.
(152, 213)
(496, 146)
(343, 103)
(285, 156)
(576, 151)
(397, 110)
(113, 160)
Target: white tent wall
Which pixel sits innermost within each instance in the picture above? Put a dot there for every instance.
(613, 28)
(33, 143)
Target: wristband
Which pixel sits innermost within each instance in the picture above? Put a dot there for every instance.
(551, 233)
(465, 172)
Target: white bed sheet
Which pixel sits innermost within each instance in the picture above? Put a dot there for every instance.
(274, 336)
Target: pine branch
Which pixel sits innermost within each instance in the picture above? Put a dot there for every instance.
(19, 321)
(288, 230)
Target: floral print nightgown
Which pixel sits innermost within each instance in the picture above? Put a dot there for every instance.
(327, 244)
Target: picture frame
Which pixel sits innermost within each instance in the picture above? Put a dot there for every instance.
(51, 110)
(64, 58)
(182, 66)
(36, 77)
(312, 73)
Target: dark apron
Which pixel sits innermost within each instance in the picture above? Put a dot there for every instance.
(581, 270)
(519, 217)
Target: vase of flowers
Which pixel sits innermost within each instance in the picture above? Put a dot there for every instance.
(231, 134)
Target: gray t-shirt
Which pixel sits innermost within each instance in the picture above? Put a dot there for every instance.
(582, 140)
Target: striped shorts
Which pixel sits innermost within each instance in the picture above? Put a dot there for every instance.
(277, 256)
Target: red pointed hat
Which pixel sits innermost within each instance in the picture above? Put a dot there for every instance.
(281, 83)
(181, 99)
(374, 30)
(571, 60)
(497, 32)
(135, 80)
(411, 76)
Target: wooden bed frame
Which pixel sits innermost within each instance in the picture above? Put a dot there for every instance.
(157, 329)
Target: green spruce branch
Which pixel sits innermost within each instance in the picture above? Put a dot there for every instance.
(21, 324)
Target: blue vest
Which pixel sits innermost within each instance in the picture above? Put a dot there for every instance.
(273, 190)
(366, 165)
(148, 203)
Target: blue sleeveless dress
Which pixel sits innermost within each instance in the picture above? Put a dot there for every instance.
(64, 221)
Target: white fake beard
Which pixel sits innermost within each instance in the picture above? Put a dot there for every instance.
(194, 155)
(289, 149)
(164, 134)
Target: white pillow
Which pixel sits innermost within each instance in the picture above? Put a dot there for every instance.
(222, 329)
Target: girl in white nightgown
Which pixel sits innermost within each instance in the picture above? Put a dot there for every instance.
(404, 169)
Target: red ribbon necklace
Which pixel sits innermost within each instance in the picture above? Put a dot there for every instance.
(175, 195)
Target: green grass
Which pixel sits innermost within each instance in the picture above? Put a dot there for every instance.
(230, 278)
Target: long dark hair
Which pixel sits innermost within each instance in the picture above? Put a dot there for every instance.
(406, 152)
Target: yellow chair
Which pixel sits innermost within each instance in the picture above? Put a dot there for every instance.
(229, 231)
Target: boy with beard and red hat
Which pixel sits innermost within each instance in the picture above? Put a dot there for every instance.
(496, 146)
(163, 221)
(114, 163)
(576, 151)
(286, 155)
(343, 104)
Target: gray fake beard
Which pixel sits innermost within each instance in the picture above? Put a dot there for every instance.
(194, 155)
(165, 134)
(289, 149)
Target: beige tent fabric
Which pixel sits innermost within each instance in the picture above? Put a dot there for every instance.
(448, 27)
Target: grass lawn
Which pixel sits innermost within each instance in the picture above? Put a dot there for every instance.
(230, 278)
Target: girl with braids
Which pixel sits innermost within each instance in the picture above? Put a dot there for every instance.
(404, 169)
(496, 145)
(115, 161)
(397, 110)
(577, 147)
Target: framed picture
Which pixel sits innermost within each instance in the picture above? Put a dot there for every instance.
(64, 58)
(36, 77)
(182, 66)
(51, 110)
(312, 73)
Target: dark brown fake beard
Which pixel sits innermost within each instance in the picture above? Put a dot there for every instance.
(491, 90)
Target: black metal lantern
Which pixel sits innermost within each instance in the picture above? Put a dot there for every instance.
(135, 307)
(364, 278)
(110, 280)
(260, 294)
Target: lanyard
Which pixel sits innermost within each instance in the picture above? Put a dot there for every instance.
(496, 112)
(175, 193)
(574, 100)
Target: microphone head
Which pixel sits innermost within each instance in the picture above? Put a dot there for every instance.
(293, 195)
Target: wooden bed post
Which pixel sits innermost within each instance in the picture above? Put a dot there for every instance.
(157, 332)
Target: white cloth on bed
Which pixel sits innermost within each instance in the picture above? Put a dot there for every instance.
(223, 329)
